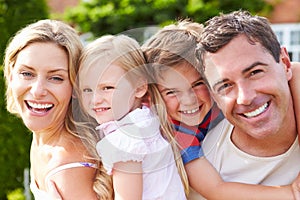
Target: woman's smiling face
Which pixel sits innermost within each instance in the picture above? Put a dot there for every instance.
(41, 86)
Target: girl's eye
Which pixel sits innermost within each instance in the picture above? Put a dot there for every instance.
(86, 90)
(171, 93)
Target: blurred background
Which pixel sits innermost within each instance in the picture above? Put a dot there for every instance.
(93, 18)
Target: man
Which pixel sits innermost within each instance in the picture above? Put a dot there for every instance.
(248, 73)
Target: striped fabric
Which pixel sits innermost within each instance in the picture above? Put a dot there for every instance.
(189, 138)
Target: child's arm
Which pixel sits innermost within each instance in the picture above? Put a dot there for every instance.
(128, 180)
(295, 89)
(204, 179)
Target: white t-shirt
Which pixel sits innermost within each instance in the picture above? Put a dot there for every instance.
(235, 165)
(137, 137)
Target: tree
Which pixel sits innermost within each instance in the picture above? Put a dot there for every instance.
(115, 16)
(14, 137)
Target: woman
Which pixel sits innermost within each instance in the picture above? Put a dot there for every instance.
(41, 63)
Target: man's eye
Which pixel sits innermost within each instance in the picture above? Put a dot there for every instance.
(254, 72)
(223, 88)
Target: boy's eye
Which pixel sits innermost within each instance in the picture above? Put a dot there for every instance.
(108, 88)
(198, 83)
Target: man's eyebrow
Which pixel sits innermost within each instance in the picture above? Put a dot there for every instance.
(252, 66)
(247, 69)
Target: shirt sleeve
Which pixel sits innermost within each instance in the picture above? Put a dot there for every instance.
(120, 147)
(190, 147)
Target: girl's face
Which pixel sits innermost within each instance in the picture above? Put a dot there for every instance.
(108, 94)
(41, 86)
(186, 96)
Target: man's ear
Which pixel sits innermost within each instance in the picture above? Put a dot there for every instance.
(285, 58)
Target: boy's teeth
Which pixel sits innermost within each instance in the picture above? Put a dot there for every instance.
(257, 111)
(190, 111)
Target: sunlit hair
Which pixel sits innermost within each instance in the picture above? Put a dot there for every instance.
(220, 30)
(127, 53)
(65, 37)
(172, 46)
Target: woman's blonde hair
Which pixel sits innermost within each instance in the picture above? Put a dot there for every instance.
(65, 37)
(172, 46)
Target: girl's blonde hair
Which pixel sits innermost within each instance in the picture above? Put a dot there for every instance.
(127, 53)
(172, 46)
(65, 37)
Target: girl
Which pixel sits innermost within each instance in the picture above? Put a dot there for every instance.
(134, 146)
(171, 57)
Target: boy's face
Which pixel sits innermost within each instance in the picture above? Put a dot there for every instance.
(186, 96)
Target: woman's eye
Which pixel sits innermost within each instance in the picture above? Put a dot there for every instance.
(26, 74)
(56, 78)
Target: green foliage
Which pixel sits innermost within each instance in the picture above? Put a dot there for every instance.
(15, 143)
(16, 194)
(114, 16)
(15, 139)
(14, 14)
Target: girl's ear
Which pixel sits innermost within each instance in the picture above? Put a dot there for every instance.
(142, 88)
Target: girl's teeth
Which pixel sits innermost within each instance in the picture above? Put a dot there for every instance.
(257, 111)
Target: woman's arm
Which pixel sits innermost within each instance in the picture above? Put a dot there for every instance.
(128, 180)
(75, 183)
(205, 180)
